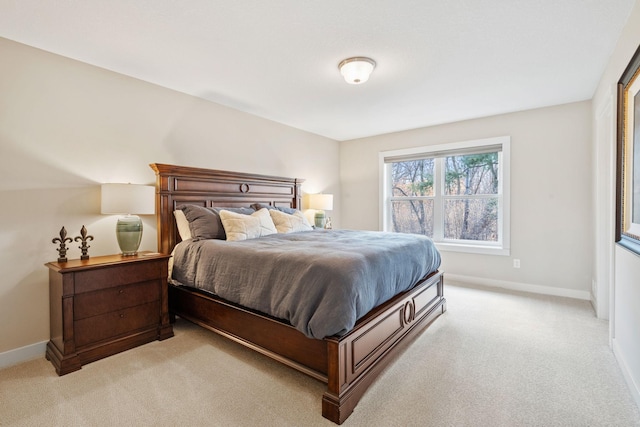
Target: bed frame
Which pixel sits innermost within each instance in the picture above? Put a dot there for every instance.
(347, 364)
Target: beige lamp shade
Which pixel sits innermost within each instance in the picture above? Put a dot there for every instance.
(128, 199)
(322, 202)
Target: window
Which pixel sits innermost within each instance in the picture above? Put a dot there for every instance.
(457, 194)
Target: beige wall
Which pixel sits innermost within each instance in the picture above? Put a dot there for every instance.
(66, 127)
(622, 280)
(550, 195)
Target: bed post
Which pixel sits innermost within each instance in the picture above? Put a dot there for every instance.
(167, 236)
(297, 197)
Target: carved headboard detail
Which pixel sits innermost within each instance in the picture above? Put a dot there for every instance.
(177, 185)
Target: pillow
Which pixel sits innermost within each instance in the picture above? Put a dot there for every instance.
(258, 206)
(286, 223)
(243, 227)
(205, 223)
(183, 224)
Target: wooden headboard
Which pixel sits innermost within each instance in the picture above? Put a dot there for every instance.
(178, 185)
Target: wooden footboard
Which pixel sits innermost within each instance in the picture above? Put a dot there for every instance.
(356, 359)
(348, 364)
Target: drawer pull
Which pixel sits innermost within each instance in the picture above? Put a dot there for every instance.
(121, 291)
(122, 315)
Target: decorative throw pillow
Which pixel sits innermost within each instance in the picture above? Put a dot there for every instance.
(243, 227)
(205, 223)
(286, 223)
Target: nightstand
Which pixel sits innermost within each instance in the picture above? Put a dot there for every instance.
(105, 305)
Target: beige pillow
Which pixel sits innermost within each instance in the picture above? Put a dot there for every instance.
(286, 223)
(243, 227)
(183, 224)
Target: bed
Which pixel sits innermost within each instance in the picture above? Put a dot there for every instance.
(347, 362)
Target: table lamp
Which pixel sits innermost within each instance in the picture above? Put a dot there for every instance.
(321, 203)
(129, 200)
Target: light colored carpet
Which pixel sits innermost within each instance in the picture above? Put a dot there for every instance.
(495, 358)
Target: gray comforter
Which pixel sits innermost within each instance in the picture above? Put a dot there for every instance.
(320, 281)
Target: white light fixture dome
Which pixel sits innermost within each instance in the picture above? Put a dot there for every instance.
(357, 70)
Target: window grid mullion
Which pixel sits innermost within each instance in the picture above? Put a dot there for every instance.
(438, 205)
(470, 196)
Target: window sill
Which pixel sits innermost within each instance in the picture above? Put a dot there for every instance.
(472, 249)
(629, 244)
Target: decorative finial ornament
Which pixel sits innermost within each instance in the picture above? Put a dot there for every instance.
(327, 224)
(84, 239)
(63, 240)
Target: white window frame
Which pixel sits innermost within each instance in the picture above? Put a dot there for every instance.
(502, 247)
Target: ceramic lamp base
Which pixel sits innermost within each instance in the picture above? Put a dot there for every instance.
(319, 219)
(129, 234)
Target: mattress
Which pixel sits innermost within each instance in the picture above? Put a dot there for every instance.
(320, 281)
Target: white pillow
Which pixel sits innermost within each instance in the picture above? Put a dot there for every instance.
(183, 224)
(242, 227)
(286, 223)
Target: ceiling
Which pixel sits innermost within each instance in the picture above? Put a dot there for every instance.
(437, 61)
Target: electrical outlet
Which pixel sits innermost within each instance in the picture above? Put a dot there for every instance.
(516, 263)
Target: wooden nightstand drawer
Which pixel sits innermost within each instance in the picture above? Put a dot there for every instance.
(88, 281)
(99, 302)
(109, 325)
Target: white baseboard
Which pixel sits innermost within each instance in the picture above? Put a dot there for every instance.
(634, 387)
(515, 286)
(22, 354)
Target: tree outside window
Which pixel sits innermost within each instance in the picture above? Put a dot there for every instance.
(450, 196)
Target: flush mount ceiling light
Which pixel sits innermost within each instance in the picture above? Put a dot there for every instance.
(356, 70)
